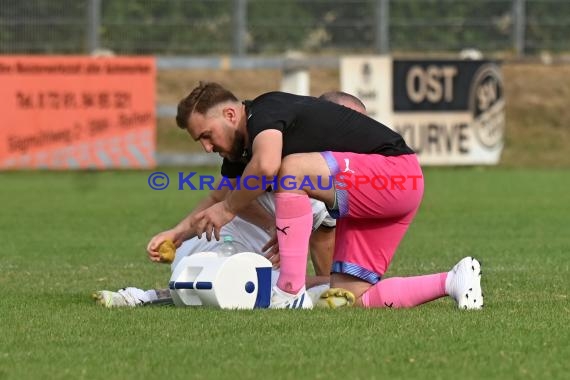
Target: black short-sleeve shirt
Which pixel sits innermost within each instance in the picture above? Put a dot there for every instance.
(309, 124)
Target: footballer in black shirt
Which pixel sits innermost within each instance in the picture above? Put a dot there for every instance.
(314, 125)
(364, 172)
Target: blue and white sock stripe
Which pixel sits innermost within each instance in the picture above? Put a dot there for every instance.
(356, 271)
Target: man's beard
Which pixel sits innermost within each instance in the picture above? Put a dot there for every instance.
(237, 147)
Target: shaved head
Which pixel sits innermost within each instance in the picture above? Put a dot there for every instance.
(344, 99)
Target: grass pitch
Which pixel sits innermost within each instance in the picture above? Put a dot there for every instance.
(65, 235)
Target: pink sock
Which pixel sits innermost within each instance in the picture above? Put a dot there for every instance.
(405, 291)
(294, 220)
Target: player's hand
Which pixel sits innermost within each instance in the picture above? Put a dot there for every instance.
(271, 251)
(211, 220)
(157, 240)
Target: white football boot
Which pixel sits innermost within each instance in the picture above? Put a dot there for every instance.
(284, 300)
(126, 297)
(463, 284)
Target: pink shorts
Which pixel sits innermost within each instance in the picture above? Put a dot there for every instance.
(377, 198)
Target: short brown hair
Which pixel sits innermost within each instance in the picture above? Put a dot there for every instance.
(205, 96)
